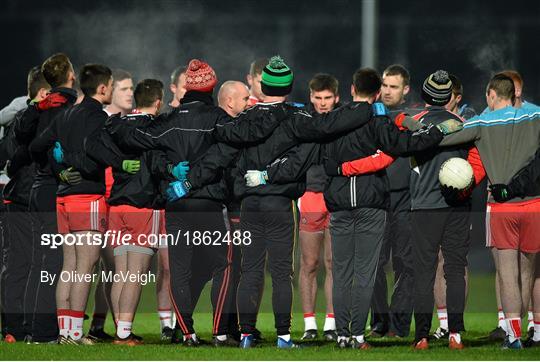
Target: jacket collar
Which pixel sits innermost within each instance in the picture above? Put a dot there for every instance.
(69, 93)
(91, 103)
(194, 96)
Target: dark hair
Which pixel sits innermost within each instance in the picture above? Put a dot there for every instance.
(398, 69)
(35, 82)
(323, 81)
(503, 86)
(514, 75)
(177, 73)
(147, 92)
(457, 87)
(256, 67)
(120, 74)
(56, 69)
(367, 82)
(92, 76)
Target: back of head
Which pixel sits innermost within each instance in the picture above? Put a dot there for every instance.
(515, 76)
(147, 92)
(176, 74)
(437, 88)
(323, 81)
(56, 69)
(92, 76)
(120, 75)
(366, 82)
(398, 69)
(503, 86)
(35, 82)
(226, 89)
(277, 78)
(256, 67)
(457, 87)
(200, 77)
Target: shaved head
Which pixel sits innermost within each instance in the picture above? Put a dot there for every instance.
(233, 97)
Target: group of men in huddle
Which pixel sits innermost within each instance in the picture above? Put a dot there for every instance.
(224, 180)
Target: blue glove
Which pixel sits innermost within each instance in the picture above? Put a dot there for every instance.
(58, 153)
(379, 109)
(177, 190)
(180, 171)
(296, 104)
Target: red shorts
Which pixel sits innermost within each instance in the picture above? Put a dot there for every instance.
(81, 213)
(514, 226)
(144, 225)
(314, 216)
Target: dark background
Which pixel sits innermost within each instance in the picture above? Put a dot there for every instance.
(150, 38)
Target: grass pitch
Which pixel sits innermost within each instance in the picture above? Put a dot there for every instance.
(480, 318)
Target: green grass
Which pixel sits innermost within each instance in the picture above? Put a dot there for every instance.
(480, 319)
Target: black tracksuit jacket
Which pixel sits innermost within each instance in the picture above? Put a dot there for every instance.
(72, 129)
(31, 127)
(296, 126)
(369, 190)
(187, 132)
(20, 169)
(143, 189)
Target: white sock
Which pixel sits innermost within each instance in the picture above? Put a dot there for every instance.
(309, 321)
(530, 319)
(442, 314)
(329, 322)
(359, 339)
(76, 331)
(221, 337)
(342, 338)
(536, 336)
(502, 321)
(193, 335)
(456, 336)
(514, 328)
(285, 337)
(123, 329)
(165, 318)
(64, 323)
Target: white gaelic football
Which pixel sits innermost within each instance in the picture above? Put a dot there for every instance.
(456, 172)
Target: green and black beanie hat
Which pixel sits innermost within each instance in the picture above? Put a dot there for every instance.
(277, 78)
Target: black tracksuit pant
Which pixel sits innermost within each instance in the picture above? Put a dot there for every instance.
(233, 215)
(47, 259)
(445, 229)
(20, 287)
(4, 242)
(356, 243)
(272, 222)
(397, 243)
(193, 265)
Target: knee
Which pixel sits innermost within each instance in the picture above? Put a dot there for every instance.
(255, 277)
(309, 265)
(281, 274)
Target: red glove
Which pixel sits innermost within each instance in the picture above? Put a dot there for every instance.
(53, 100)
(399, 121)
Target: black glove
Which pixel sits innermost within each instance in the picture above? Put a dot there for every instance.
(501, 192)
(70, 176)
(332, 168)
(454, 196)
